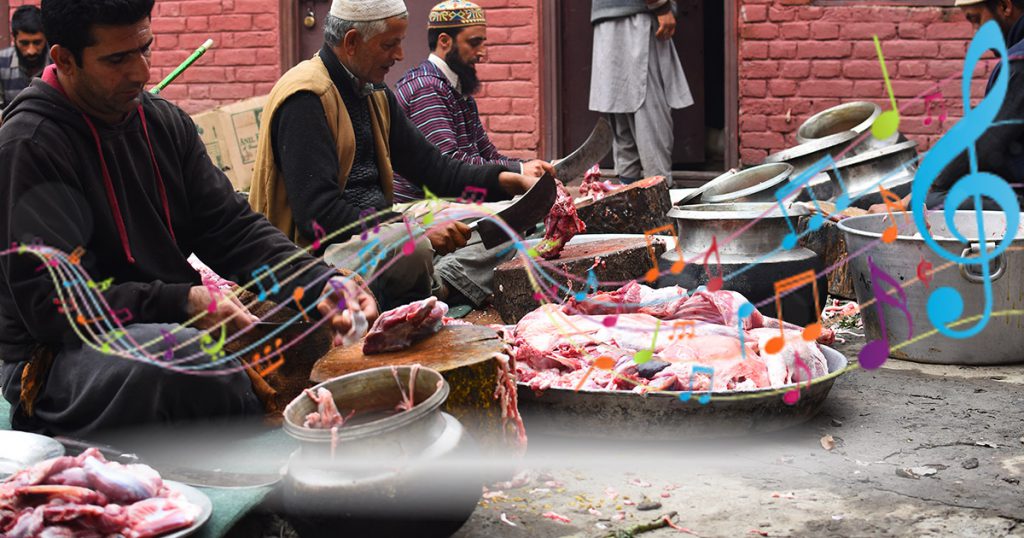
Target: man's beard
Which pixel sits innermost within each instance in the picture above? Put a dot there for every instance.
(466, 72)
(30, 63)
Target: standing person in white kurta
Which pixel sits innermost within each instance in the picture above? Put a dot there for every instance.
(636, 77)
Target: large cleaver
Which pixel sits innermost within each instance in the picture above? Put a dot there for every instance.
(598, 144)
(522, 215)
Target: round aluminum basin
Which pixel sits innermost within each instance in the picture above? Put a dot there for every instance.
(698, 225)
(1002, 340)
(892, 167)
(756, 184)
(857, 116)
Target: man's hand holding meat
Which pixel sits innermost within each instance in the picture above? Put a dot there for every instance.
(228, 309)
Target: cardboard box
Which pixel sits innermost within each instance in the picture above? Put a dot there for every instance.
(231, 135)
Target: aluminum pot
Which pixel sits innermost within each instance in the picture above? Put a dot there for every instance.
(1002, 339)
(751, 185)
(752, 260)
(857, 116)
(390, 472)
(892, 167)
(807, 154)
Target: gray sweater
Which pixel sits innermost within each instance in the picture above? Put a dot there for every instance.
(614, 9)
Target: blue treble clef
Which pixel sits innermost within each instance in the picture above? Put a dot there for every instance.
(946, 305)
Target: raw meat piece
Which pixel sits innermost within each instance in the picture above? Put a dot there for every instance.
(326, 416)
(29, 524)
(408, 398)
(400, 328)
(508, 399)
(593, 186)
(153, 517)
(121, 484)
(782, 365)
(560, 226)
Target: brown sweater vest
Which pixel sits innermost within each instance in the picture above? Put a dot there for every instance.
(268, 194)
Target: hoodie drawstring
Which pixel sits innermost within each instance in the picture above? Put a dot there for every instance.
(50, 77)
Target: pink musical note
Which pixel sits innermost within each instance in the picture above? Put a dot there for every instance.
(793, 396)
(215, 295)
(171, 341)
(875, 353)
(318, 235)
(123, 315)
(928, 99)
(410, 246)
(472, 195)
(714, 282)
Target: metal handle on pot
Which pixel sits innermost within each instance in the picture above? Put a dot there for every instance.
(974, 277)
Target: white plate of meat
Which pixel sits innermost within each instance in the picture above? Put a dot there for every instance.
(86, 495)
(19, 450)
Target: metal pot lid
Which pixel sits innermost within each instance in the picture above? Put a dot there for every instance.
(808, 148)
(699, 191)
(765, 177)
(877, 153)
(857, 116)
(734, 211)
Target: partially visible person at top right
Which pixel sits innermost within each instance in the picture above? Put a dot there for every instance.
(24, 60)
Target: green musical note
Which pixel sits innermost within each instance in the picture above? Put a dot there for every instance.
(216, 350)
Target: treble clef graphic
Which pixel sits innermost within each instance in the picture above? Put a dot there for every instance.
(946, 305)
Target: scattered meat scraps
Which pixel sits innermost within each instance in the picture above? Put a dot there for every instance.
(561, 225)
(408, 398)
(593, 186)
(556, 345)
(400, 328)
(556, 517)
(326, 415)
(88, 496)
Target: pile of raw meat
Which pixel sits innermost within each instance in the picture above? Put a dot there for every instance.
(400, 328)
(555, 345)
(87, 496)
(593, 186)
(560, 226)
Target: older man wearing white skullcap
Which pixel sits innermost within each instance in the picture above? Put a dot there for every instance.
(331, 139)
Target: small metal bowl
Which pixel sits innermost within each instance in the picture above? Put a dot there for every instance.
(20, 450)
(752, 185)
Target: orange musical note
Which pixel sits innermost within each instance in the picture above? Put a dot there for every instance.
(604, 363)
(297, 296)
(793, 396)
(892, 202)
(715, 283)
(812, 331)
(679, 329)
(268, 351)
(677, 267)
(76, 257)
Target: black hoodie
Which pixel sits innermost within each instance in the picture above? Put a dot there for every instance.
(52, 187)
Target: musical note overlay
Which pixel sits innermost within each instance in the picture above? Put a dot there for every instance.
(363, 217)
(645, 355)
(274, 288)
(888, 122)
(603, 362)
(812, 331)
(892, 202)
(875, 353)
(928, 100)
(945, 304)
(703, 398)
(793, 396)
(473, 195)
(817, 220)
(715, 283)
(318, 235)
(677, 267)
(924, 268)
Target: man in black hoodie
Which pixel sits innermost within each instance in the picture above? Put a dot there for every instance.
(91, 160)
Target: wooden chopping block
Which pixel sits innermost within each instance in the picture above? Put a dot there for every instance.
(466, 356)
(829, 243)
(634, 209)
(622, 260)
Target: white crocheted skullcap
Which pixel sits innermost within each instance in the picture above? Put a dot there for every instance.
(367, 10)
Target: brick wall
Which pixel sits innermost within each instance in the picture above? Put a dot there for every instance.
(509, 100)
(797, 59)
(245, 60)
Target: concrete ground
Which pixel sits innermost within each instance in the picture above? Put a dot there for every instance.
(919, 451)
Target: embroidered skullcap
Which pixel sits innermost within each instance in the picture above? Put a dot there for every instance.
(367, 10)
(456, 14)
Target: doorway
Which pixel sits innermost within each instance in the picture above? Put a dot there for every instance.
(302, 24)
(702, 147)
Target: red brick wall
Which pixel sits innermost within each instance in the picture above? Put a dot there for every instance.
(797, 59)
(509, 100)
(245, 60)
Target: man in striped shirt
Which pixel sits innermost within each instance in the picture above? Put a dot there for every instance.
(437, 95)
(27, 58)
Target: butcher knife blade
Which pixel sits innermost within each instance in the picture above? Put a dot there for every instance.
(522, 215)
(598, 144)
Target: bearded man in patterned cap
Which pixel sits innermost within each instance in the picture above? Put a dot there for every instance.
(332, 137)
(437, 95)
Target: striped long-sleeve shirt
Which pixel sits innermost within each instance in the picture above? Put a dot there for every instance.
(448, 119)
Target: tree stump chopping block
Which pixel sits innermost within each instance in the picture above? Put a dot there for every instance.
(622, 260)
(829, 243)
(472, 360)
(633, 209)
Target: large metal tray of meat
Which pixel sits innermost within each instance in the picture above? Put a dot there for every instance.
(605, 414)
